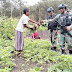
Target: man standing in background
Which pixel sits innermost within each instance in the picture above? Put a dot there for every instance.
(52, 27)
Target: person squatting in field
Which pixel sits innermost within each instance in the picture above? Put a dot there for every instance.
(64, 28)
(19, 34)
(35, 34)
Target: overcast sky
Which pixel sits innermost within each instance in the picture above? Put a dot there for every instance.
(32, 2)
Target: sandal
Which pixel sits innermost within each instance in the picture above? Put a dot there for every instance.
(19, 54)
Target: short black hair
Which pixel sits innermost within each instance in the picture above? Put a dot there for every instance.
(25, 10)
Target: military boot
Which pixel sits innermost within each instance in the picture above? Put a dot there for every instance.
(70, 49)
(63, 51)
(53, 48)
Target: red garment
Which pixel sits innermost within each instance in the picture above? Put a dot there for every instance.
(35, 35)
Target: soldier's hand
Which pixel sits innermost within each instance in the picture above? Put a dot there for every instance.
(68, 28)
(50, 20)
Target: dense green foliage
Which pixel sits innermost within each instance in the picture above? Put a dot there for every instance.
(7, 43)
(39, 50)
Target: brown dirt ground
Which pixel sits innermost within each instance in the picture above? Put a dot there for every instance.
(21, 64)
(45, 34)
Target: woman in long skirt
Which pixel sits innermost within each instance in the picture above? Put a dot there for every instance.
(19, 31)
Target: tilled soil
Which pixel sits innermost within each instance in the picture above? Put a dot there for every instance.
(21, 65)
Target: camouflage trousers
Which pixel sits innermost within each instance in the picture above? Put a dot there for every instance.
(64, 38)
(70, 44)
(53, 38)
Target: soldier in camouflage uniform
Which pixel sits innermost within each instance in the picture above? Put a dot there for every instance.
(52, 27)
(64, 19)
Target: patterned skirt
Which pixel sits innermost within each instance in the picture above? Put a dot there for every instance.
(19, 40)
